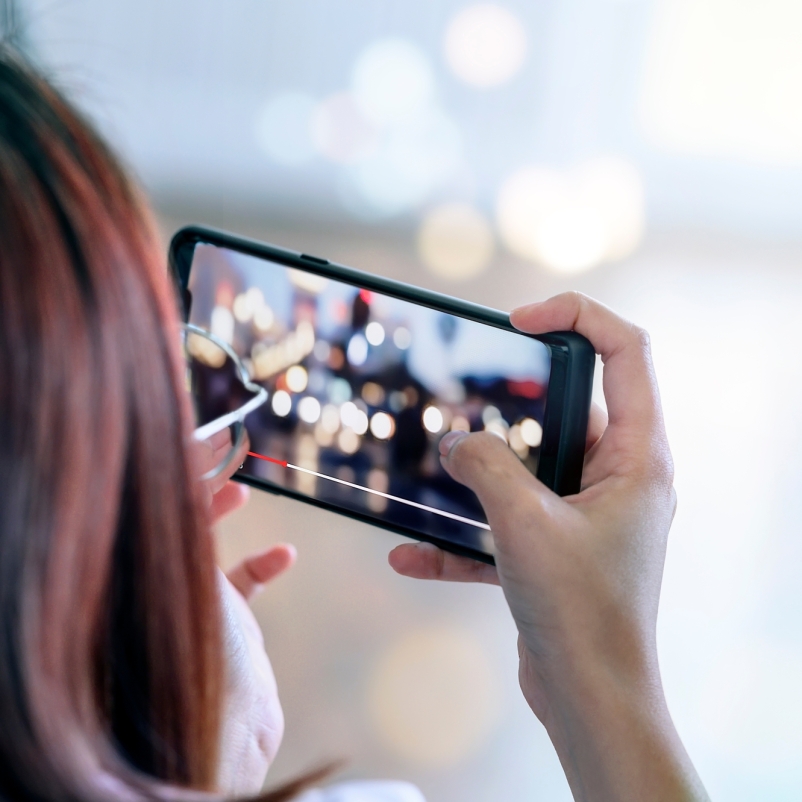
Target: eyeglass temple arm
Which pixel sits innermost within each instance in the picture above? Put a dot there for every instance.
(218, 424)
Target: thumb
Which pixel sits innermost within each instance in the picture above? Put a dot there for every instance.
(482, 461)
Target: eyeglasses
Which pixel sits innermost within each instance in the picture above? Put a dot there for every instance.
(223, 395)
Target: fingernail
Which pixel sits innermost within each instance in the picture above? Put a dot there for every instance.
(525, 308)
(448, 441)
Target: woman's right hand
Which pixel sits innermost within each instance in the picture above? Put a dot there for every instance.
(582, 574)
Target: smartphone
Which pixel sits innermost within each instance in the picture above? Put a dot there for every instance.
(364, 375)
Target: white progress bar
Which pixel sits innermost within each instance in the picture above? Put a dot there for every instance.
(453, 516)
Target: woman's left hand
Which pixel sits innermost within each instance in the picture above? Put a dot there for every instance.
(253, 722)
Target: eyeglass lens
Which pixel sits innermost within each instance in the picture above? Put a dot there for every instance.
(216, 389)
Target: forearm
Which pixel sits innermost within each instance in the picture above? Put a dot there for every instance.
(616, 740)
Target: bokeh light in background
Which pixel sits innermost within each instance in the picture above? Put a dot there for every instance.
(422, 696)
(455, 241)
(340, 130)
(393, 82)
(646, 152)
(720, 78)
(283, 128)
(576, 220)
(485, 45)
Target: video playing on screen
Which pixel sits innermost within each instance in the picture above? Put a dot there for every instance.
(362, 386)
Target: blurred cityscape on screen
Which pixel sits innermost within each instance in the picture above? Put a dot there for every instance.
(362, 386)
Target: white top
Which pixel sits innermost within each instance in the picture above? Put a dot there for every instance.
(365, 791)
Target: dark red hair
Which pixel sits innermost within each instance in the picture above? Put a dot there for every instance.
(111, 659)
(111, 650)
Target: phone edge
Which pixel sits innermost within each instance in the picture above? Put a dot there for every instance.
(571, 374)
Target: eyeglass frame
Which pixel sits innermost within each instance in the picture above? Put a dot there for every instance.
(236, 416)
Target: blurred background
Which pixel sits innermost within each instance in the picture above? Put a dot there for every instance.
(647, 152)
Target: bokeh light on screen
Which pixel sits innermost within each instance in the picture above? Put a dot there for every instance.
(283, 128)
(432, 419)
(250, 306)
(490, 413)
(330, 418)
(222, 323)
(373, 393)
(402, 338)
(309, 409)
(348, 441)
(433, 696)
(340, 391)
(263, 318)
(304, 280)
(374, 333)
(357, 351)
(485, 45)
(455, 241)
(498, 428)
(297, 379)
(382, 426)
(353, 417)
(378, 480)
(574, 220)
(360, 425)
(281, 403)
(516, 441)
(531, 432)
(271, 359)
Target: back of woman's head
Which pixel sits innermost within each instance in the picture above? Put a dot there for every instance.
(110, 653)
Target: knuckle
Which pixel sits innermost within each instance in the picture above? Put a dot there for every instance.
(475, 448)
(579, 301)
(642, 338)
(482, 457)
(576, 296)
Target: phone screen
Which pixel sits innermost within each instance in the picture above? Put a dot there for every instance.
(362, 386)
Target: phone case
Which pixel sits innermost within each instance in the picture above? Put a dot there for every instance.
(573, 360)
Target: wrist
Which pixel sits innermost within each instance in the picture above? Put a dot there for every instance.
(610, 725)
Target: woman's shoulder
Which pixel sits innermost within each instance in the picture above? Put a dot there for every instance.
(365, 791)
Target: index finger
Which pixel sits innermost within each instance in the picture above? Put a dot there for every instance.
(425, 561)
(630, 387)
(249, 576)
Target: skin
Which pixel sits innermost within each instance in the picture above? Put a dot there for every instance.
(582, 574)
(253, 721)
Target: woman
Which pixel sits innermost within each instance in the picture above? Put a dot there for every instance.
(124, 654)
(129, 667)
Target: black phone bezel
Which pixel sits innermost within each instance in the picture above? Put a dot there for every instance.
(567, 407)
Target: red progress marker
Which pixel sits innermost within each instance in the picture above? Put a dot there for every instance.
(281, 462)
(426, 507)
